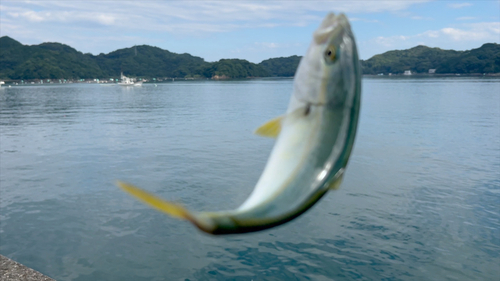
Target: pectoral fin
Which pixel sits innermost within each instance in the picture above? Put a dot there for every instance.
(270, 129)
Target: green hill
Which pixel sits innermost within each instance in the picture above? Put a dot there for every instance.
(47, 60)
(148, 61)
(420, 59)
(485, 59)
(283, 67)
(236, 68)
(56, 61)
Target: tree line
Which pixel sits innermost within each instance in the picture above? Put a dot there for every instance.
(419, 59)
(56, 61)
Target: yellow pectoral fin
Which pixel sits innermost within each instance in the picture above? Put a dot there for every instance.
(270, 129)
(171, 209)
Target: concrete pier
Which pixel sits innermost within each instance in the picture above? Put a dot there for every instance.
(14, 271)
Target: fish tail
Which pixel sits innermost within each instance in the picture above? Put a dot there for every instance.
(170, 208)
(203, 221)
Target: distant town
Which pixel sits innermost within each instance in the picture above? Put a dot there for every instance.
(94, 81)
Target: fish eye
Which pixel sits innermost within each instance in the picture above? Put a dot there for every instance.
(330, 54)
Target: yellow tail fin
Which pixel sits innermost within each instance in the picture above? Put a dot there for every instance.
(169, 208)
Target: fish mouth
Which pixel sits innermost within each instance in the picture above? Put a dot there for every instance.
(331, 27)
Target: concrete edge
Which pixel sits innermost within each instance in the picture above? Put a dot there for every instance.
(14, 271)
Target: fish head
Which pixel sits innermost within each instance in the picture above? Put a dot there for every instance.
(328, 73)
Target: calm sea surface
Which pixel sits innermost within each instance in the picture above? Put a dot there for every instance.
(420, 200)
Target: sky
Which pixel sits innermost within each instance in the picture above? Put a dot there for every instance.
(251, 30)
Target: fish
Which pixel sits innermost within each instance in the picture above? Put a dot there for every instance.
(314, 140)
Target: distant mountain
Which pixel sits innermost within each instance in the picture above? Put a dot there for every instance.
(56, 61)
(485, 59)
(47, 60)
(148, 61)
(235, 68)
(420, 59)
(284, 67)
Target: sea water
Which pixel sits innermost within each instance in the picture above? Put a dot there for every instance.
(420, 199)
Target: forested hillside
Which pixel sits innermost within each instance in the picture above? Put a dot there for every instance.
(57, 61)
(420, 59)
(284, 67)
(47, 60)
(147, 61)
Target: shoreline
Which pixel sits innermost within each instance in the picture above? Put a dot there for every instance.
(168, 79)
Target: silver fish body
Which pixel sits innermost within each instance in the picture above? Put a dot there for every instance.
(314, 140)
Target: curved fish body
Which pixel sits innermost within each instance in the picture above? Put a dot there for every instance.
(314, 139)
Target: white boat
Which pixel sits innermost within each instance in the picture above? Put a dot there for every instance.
(126, 81)
(1, 83)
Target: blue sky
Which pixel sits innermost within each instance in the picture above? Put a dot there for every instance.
(251, 30)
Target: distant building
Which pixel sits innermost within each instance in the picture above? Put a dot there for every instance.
(432, 71)
(407, 72)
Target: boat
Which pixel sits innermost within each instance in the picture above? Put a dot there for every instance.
(126, 81)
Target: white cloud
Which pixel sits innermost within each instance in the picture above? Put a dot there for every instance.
(64, 17)
(462, 37)
(420, 18)
(390, 41)
(483, 31)
(102, 26)
(478, 32)
(268, 45)
(459, 5)
(363, 20)
(259, 51)
(210, 16)
(466, 18)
